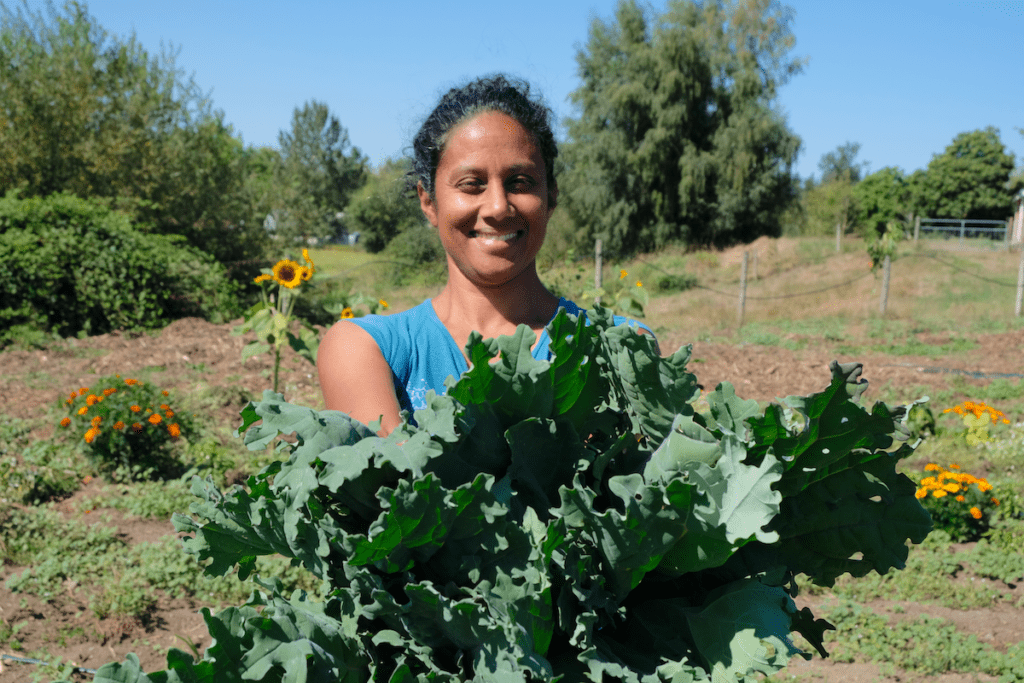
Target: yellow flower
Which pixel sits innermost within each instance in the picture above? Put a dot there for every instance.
(383, 304)
(639, 284)
(976, 513)
(932, 467)
(263, 278)
(938, 494)
(287, 273)
(347, 313)
(921, 493)
(305, 257)
(91, 435)
(83, 410)
(305, 274)
(622, 274)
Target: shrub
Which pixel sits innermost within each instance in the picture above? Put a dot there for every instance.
(125, 427)
(69, 265)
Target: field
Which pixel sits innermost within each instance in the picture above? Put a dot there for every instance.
(92, 570)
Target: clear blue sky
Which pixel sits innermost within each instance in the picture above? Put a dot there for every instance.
(901, 77)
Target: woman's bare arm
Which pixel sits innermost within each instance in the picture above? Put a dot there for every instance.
(355, 378)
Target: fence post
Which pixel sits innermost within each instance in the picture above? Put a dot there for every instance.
(917, 228)
(886, 268)
(962, 225)
(839, 236)
(598, 268)
(743, 290)
(755, 265)
(1006, 237)
(1020, 283)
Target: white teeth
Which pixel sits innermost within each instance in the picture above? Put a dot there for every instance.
(503, 238)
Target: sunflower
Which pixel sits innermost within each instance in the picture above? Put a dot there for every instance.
(312, 266)
(263, 278)
(287, 273)
(347, 313)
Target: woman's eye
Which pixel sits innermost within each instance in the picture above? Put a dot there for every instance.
(471, 185)
(521, 184)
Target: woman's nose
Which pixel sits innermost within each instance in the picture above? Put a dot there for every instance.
(496, 202)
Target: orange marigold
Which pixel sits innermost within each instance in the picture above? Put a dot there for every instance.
(155, 419)
(130, 382)
(136, 426)
(960, 499)
(168, 413)
(119, 425)
(92, 399)
(135, 408)
(65, 422)
(976, 513)
(164, 406)
(83, 391)
(174, 430)
(91, 435)
(109, 391)
(165, 392)
(96, 421)
(83, 410)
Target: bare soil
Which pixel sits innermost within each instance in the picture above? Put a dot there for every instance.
(192, 353)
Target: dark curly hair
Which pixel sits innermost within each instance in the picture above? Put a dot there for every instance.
(489, 93)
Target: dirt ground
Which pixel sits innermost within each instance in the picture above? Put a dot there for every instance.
(193, 353)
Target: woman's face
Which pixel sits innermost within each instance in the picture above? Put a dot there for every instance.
(492, 201)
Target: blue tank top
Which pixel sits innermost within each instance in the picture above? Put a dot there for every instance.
(422, 354)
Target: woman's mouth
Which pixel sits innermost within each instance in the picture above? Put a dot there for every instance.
(491, 237)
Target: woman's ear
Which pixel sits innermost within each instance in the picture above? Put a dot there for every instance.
(427, 204)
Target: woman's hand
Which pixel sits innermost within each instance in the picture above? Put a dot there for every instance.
(355, 378)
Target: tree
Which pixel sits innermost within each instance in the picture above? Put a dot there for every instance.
(840, 164)
(970, 179)
(881, 198)
(318, 173)
(382, 208)
(677, 137)
(86, 113)
(829, 204)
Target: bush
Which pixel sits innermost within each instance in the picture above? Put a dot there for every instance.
(70, 265)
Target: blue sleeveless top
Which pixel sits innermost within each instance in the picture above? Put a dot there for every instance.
(422, 353)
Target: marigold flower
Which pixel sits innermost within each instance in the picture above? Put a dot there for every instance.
(119, 425)
(174, 430)
(383, 304)
(164, 406)
(91, 435)
(347, 313)
(155, 419)
(96, 421)
(921, 493)
(995, 501)
(622, 274)
(73, 395)
(165, 392)
(109, 391)
(92, 399)
(938, 494)
(984, 486)
(65, 422)
(932, 467)
(951, 488)
(83, 410)
(960, 499)
(286, 273)
(134, 408)
(976, 513)
(67, 402)
(136, 427)
(639, 284)
(954, 466)
(131, 382)
(83, 391)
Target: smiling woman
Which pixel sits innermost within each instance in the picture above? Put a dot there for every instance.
(484, 174)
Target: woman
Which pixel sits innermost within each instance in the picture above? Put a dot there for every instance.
(484, 174)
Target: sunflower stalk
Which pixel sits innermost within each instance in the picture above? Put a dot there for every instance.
(271, 318)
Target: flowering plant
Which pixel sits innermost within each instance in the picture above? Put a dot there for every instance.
(123, 424)
(977, 417)
(356, 306)
(271, 318)
(958, 502)
(621, 295)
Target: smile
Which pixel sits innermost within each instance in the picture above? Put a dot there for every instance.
(492, 237)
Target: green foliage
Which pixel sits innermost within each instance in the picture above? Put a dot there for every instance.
(97, 116)
(970, 179)
(69, 265)
(840, 164)
(677, 139)
(826, 205)
(884, 243)
(34, 471)
(659, 545)
(874, 638)
(318, 172)
(1000, 555)
(126, 428)
(880, 199)
(418, 253)
(383, 208)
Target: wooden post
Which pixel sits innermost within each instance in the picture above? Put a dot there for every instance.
(917, 228)
(743, 290)
(962, 224)
(598, 268)
(839, 237)
(755, 265)
(1020, 283)
(886, 269)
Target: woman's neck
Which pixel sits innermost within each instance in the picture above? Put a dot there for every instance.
(464, 306)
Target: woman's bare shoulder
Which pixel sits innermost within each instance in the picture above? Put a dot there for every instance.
(354, 376)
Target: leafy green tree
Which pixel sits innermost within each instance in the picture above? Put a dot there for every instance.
(95, 115)
(881, 198)
(383, 208)
(841, 163)
(677, 137)
(319, 171)
(970, 179)
(828, 204)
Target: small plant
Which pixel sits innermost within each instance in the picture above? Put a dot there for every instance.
(349, 306)
(271, 318)
(124, 426)
(977, 417)
(959, 503)
(621, 295)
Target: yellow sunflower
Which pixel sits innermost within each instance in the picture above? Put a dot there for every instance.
(263, 278)
(347, 313)
(287, 273)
